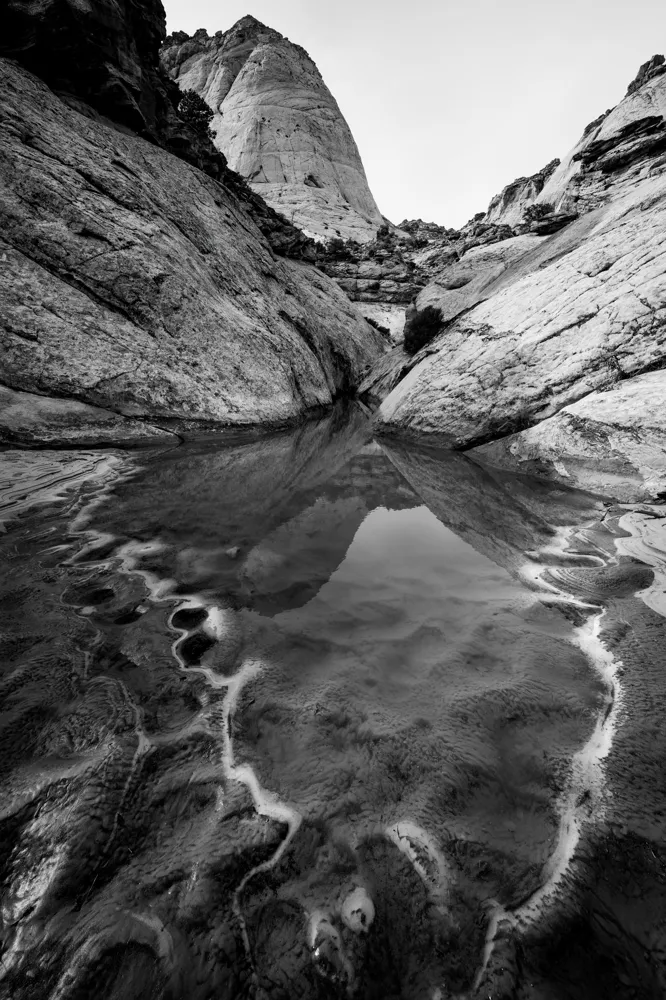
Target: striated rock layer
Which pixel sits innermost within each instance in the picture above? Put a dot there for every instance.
(531, 326)
(278, 125)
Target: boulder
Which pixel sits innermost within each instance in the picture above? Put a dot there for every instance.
(278, 125)
(132, 281)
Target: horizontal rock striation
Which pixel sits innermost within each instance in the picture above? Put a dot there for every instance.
(278, 125)
(134, 282)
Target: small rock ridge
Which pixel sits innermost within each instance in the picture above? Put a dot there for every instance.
(648, 71)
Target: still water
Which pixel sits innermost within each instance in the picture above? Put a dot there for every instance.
(315, 716)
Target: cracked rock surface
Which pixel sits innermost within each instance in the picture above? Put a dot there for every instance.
(134, 282)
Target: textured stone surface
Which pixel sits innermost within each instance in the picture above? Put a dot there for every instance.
(103, 59)
(278, 125)
(106, 54)
(133, 281)
(40, 421)
(622, 147)
(612, 442)
(386, 275)
(585, 307)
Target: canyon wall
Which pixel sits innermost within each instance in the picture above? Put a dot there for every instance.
(139, 295)
(573, 306)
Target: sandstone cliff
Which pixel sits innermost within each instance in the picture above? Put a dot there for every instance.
(536, 323)
(138, 296)
(278, 125)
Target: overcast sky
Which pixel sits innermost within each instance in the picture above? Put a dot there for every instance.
(448, 102)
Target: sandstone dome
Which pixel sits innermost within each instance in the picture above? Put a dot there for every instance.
(279, 126)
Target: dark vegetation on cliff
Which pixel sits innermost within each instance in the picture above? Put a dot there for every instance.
(421, 327)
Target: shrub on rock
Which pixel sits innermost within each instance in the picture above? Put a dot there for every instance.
(534, 213)
(421, 327)
(194, 110)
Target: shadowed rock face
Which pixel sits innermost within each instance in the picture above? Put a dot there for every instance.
(278, 125)
(106, 54)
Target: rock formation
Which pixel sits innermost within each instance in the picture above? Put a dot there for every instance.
(613, 440)
(385, 275)
(509, 206)
(132, 281)
(537, 323)
(278, 125)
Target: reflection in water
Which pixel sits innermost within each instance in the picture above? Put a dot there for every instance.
(310, 717)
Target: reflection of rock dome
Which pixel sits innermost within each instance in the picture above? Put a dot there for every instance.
(287, 568)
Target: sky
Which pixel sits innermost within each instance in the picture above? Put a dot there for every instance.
(449, 102)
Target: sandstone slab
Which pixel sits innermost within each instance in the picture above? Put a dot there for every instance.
(587, 307)
(29, 420)
(132, 281)
(612, 442)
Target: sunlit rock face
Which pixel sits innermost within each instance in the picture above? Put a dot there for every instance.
(278, 125)
(552, 318)
(619, 149)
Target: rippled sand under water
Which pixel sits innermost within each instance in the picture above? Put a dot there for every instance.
(316, 717)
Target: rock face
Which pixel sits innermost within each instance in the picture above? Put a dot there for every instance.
(509, 206)
(104, 58)
(612, 442)
(278, 125)
(553, 319)
(27, 419)
(133, 282)
(621, 148)
(107, 55)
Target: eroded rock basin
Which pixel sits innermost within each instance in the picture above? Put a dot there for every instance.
(316, 717)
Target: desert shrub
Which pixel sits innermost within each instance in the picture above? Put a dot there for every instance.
(337, 249)
(194, 110)
(535, 212)
(422, 327)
